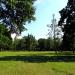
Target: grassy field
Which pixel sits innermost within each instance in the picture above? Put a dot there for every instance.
(37, 63)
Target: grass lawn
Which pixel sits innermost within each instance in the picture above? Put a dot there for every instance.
(36, 63)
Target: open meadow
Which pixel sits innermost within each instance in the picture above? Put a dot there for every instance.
(37, 63)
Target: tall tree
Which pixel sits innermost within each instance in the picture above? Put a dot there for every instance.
(15, 13)
(67, 22)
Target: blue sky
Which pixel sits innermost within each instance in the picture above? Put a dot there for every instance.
(44, 11)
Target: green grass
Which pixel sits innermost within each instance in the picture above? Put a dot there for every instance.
(36, 63)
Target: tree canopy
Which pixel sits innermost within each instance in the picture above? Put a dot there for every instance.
(15, 13)
(67, 22)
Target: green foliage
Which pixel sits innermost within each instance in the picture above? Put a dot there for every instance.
(68, 16)
(20, 12)
(26, 43)
(29, 43)
(42, 44)
(48, 44)
(5, 39)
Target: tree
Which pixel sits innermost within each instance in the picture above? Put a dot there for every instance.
(5, 39)
(30, 42)
(54, 33)
(45, 44)
(26, 43)
(67, 22)
(42, 44)
(15, 13)
(49, 44)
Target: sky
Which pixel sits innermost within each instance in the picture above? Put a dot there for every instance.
(44, 11)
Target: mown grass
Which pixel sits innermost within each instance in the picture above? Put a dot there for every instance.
(37, 63)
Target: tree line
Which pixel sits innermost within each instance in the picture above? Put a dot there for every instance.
(28, 43)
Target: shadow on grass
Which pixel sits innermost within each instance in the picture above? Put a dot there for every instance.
(39, 59)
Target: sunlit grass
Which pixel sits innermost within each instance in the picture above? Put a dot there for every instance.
(13, 66)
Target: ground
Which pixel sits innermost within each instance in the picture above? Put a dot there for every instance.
(37, 63)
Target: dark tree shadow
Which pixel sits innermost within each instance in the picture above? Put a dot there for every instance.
(39, 59)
